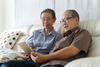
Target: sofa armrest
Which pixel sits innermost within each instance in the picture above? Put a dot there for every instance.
(85, 62)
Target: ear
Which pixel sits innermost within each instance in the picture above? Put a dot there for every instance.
(54, 20)
(76, 19)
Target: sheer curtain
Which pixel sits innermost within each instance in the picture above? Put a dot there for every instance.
(87, 9)
(24, 12)
(1, 15)
(28, 11)
(7, 14)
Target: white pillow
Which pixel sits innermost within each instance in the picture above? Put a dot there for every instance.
(8, 39)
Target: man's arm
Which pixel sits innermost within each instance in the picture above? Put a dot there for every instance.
(63, 53)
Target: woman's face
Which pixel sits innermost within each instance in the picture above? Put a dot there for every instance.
(47, 20)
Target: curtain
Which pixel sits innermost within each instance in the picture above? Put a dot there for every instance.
(25, 12)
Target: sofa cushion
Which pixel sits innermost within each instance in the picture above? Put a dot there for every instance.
(25, 29)
(35, 27)
(8, 54)
(93, 26)
(8, 39)
(94, 50)
(85, 62)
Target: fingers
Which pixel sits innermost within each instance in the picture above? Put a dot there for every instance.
(33, 58)
(25, 53)
(34, 54)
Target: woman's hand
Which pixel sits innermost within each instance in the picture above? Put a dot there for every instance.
(26, 54)
(38, 57)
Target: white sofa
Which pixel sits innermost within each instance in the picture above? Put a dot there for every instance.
(93, 59)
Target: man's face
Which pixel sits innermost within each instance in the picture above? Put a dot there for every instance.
(69, 22)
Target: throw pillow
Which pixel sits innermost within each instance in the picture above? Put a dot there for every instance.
(8, 39)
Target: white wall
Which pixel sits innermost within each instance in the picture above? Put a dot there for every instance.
(28, 11)
(1, 16)
(87, 9)
(7, 14)
(14, 13)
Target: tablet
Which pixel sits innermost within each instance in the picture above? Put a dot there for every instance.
(25, 47)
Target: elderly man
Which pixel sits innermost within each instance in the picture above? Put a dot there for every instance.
(74, 44)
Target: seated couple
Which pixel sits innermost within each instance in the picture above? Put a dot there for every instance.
(50, 49)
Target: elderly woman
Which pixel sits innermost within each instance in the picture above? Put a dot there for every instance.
(42, 40)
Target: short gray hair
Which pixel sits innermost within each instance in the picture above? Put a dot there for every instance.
(51, 11)
(74, 13)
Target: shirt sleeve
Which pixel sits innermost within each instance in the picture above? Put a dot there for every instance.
(82, 41)
(29, 40)
(58, 37)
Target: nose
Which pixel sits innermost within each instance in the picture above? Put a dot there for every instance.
(65, 22)
(45, 22)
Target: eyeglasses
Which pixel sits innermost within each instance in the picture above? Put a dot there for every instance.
(65, 19)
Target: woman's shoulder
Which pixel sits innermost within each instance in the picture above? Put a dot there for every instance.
(36, 31)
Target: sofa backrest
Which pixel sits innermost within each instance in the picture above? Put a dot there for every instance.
(93, 27)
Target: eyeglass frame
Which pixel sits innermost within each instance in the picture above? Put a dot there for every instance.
(66, 19)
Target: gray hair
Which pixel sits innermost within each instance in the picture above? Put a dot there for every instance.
(51, 11)
(74, 13)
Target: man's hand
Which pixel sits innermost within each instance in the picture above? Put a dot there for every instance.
(39, 58)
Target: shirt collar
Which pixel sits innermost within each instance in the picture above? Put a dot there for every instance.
(50, 33)
(75, 30)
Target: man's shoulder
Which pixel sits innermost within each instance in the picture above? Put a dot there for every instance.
(84, 32)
